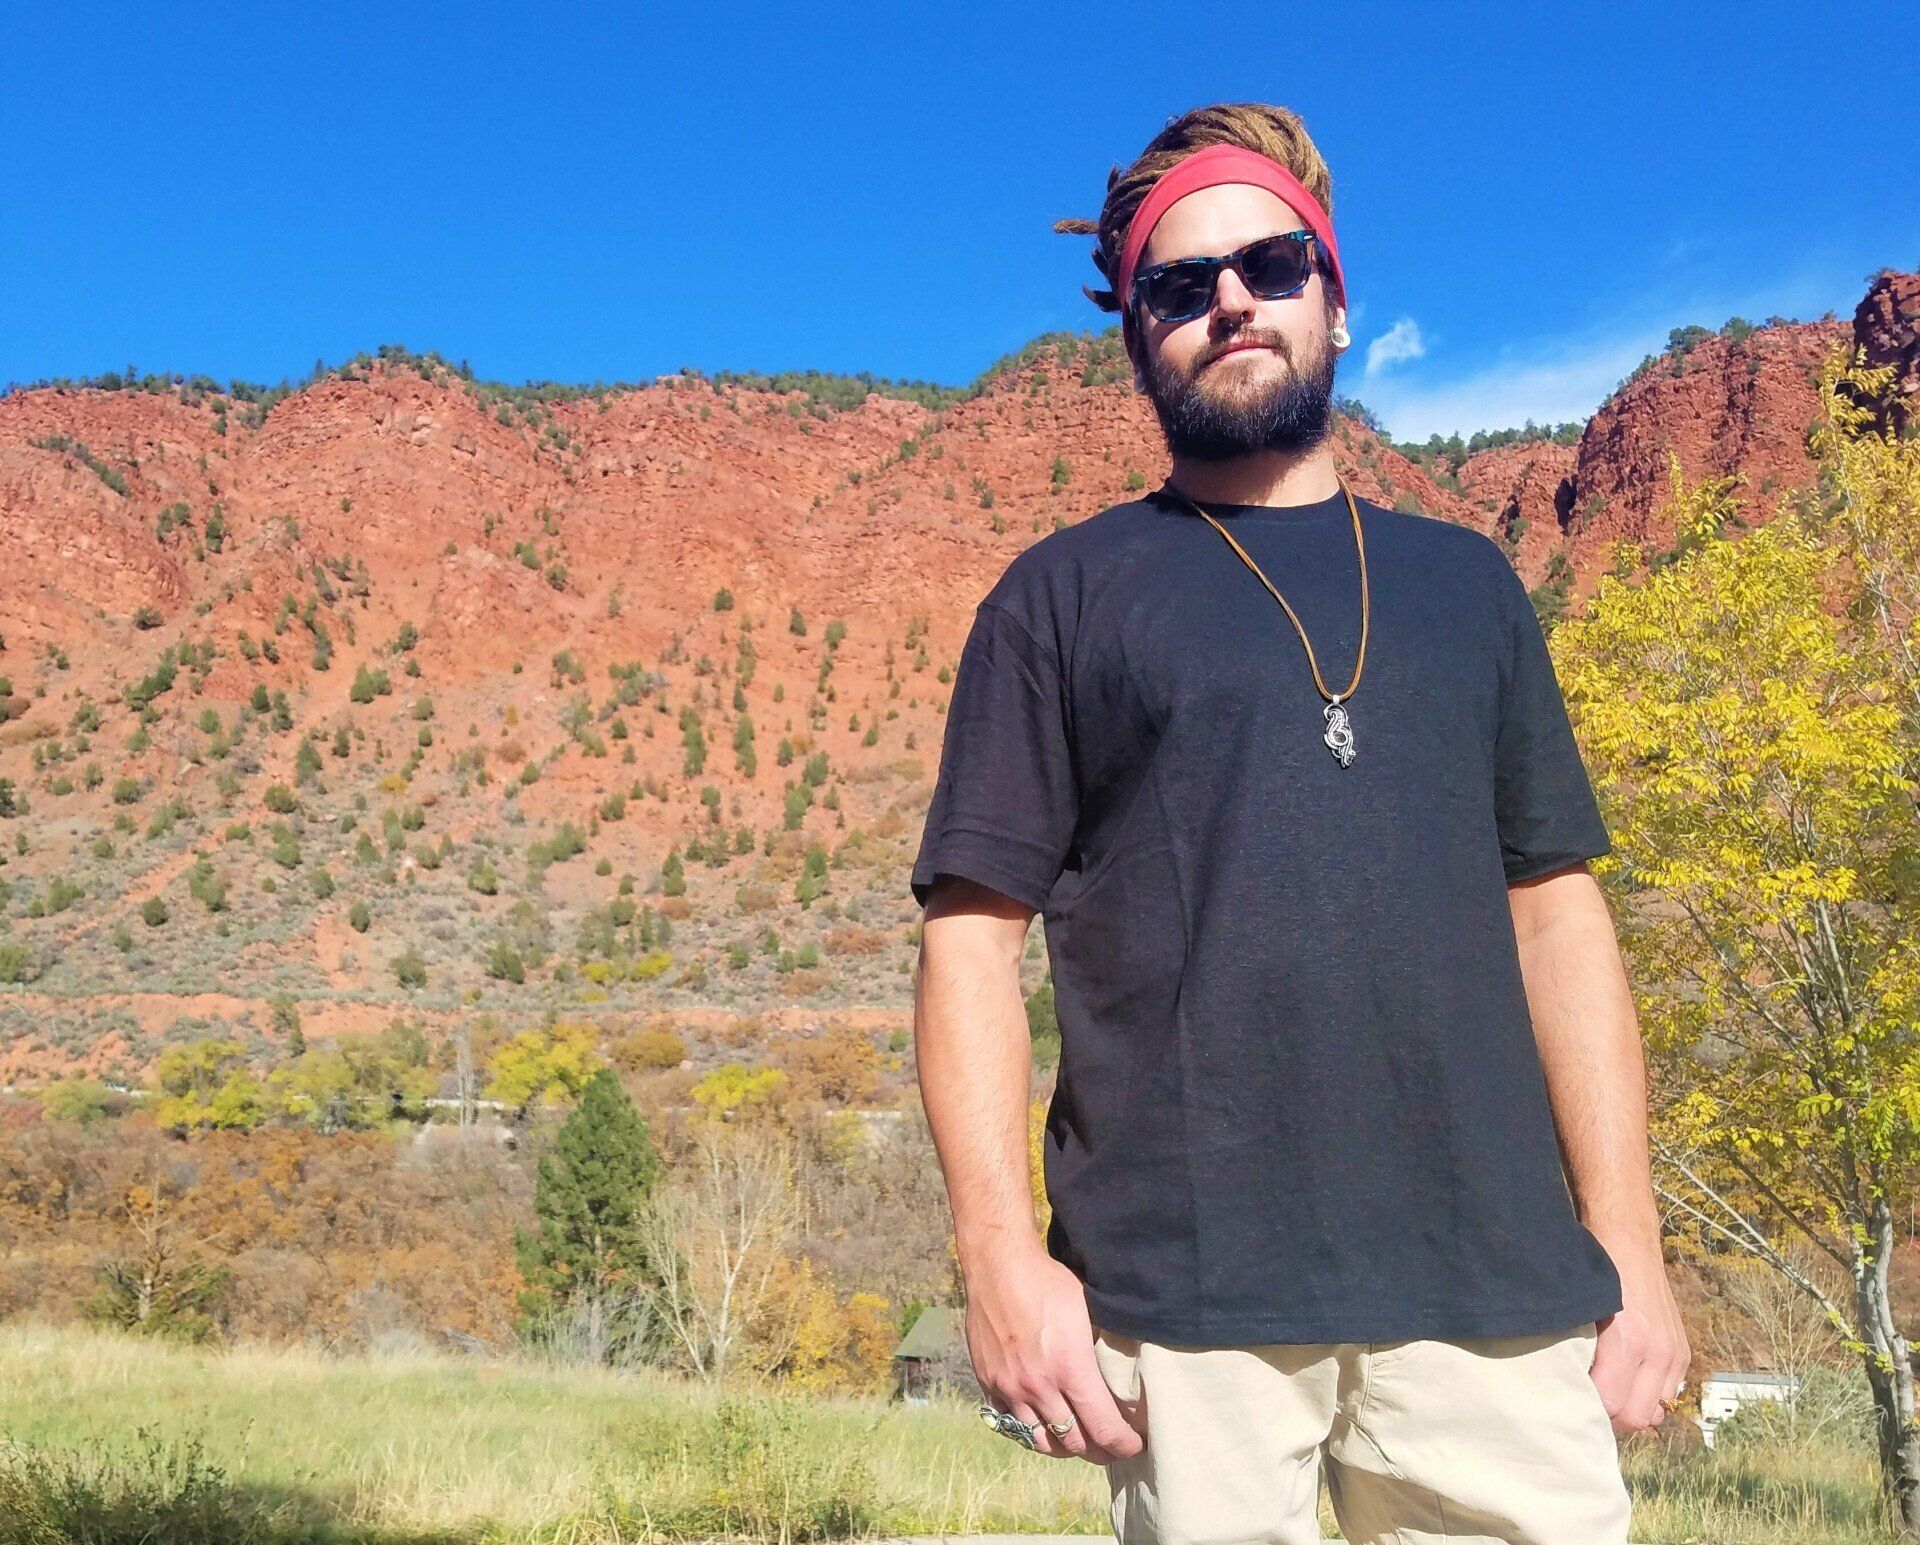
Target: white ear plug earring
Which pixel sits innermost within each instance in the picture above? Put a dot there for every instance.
(1341, 337)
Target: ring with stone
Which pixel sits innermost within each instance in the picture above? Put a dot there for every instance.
(1006, 1423)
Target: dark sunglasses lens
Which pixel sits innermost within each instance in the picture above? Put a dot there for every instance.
(1274, 266)
(1177, 293)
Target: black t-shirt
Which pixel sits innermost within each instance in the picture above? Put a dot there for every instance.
(1299, 1098)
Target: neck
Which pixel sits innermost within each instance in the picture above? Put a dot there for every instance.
(1261, 477)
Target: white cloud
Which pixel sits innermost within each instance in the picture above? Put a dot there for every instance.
(1402, 341)
(1553, 380)
(1563, 381)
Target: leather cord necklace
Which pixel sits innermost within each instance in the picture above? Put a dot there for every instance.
(1339, 732)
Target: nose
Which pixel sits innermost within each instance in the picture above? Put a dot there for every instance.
(1231, 297)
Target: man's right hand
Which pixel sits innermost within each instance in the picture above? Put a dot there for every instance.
(1032, 1348)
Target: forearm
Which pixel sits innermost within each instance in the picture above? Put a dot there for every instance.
(1590, 1050)
(975, 1061)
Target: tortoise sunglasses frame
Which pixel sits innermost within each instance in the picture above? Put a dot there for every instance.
(1145, 285)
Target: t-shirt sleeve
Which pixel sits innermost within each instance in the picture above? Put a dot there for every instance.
(1543, 800)
(1004, 804)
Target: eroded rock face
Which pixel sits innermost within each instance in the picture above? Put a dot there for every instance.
(1886, 329)
(617, 519)
(209, 561)
(1527, 492)
(666, 494)
(528, 559)
(611, 523)
(1725, 406)
(63, 524)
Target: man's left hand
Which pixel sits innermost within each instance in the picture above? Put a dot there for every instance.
(1641, 1358)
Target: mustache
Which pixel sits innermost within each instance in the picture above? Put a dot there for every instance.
(1241, 340)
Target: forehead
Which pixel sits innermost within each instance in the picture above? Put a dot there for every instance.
(1210, 221)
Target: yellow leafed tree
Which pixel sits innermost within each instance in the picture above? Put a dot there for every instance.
(1036, 1164)
(548, 1066)
(1748, 712)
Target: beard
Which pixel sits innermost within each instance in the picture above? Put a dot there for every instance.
(1292, 414)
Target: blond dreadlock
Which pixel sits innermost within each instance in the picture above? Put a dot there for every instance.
(1272, 131)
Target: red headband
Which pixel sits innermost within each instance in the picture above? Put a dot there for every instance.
(1207, 167)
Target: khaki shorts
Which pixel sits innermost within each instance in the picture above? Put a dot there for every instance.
(1492, 1438)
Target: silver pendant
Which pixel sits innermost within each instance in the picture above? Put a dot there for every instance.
(1339, 736)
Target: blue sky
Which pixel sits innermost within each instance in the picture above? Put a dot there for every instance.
(1527, 197)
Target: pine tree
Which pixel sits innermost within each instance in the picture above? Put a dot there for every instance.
(587, 1252)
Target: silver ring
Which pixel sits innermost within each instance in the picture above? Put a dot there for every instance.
(1060, 1429)
(1006, 1423)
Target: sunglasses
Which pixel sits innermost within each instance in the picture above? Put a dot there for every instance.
(1272, 268)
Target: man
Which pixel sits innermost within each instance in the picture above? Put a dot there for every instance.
(1341, 1008)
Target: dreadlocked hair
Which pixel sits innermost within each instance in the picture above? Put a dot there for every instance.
(1272, 131)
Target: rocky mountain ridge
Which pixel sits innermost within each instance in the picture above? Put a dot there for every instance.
(692, 622)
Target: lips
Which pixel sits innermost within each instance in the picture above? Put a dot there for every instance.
(1242, 348)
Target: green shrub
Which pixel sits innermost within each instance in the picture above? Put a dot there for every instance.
(504, 963)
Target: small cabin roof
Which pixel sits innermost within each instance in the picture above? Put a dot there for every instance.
(933, 1334)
